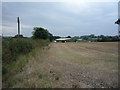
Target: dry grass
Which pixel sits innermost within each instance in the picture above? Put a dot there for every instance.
(72, 65)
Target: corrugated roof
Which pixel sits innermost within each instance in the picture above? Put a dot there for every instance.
(63, 39)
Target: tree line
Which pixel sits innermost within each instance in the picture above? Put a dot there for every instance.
(99, 38)
(41, 33)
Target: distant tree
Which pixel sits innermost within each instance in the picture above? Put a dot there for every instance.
(18, 36)
(92, 36)
(68, 37)
(101, 36)
(85, 37)
(76, 37)
(56, 37)
(40, 33)
(51, 38)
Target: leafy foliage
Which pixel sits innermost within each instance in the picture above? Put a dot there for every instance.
(51, 38)
(56, 37)
(18, 36)
(100, 38)
(68, 37)
(41, 33)
(14, 52)
(14, 47)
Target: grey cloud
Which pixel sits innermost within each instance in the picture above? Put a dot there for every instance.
(59, 19)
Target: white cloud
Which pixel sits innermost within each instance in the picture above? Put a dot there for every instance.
(8, 30)
(65, 18)
(74, 7)
(26, 26)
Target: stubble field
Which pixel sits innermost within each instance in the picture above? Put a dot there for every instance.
(72, 65)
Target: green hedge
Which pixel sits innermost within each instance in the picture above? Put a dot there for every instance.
(11, 48)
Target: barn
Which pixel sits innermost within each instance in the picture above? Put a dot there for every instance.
(62, 40)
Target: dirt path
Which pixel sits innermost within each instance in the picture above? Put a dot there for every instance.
(73, 65)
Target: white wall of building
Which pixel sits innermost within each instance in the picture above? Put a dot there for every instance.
(119, 17)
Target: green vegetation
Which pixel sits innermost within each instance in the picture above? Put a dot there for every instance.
(13, 48)
(41, 33)
(91, 38)
(18, 36)
(100, 38)
(56, 37)
(19, 53)
(16, 53)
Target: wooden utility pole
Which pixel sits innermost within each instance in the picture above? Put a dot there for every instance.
(18, 25)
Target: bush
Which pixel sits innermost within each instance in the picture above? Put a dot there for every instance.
(18, 36)
(14, 54)
(15, 47)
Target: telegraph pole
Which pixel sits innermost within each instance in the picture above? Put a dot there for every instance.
(18, 21)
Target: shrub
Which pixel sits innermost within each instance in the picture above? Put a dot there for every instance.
(18, 36)
(14, 55)
(15, 47)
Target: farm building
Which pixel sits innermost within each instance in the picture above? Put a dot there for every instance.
(62, 39)
(118, 22)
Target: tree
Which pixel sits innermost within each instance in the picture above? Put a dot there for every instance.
(56, 37)
(18, 36)
(68, 37)
(40, 33)
(92, 36)
(51, 38)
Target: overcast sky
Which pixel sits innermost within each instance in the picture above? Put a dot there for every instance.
(61, 18)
